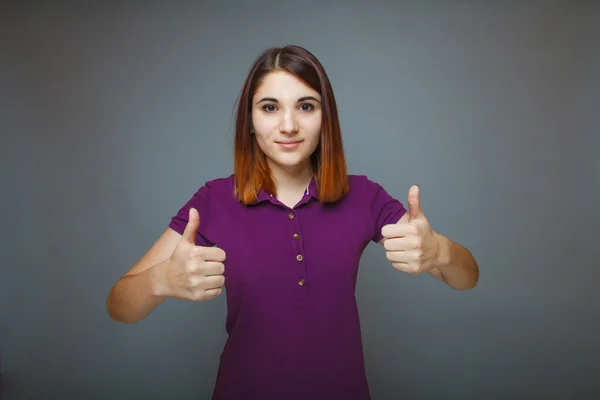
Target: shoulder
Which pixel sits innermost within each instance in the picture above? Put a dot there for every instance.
(220, 186)
(221, 182)
(381, 208)
(358, 179)
(211, 196)
(362, 185)
(371, 191)
(214, 191)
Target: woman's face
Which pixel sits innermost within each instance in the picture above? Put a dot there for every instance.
(286, 117)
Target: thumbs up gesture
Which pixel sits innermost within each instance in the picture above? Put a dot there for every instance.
(411, 244)
(194, 272)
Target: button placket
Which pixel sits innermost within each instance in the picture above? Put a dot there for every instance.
(300, 262)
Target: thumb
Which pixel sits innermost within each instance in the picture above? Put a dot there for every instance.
(191, 229)
(414, 204)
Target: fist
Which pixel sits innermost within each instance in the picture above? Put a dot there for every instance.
(194, 272)
(412, 246)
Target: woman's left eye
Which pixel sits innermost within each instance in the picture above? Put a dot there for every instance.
(306, 107)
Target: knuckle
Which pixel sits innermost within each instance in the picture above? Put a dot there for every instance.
(195, 295)
(199, 282)
(399, 266)
(192, 267)
(198, 251)
(192, 282)
(212, 294)
(195, 267)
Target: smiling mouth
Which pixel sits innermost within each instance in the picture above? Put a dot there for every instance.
(289, 144)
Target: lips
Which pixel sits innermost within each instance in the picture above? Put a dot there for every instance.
(288, 141)
(289, 144)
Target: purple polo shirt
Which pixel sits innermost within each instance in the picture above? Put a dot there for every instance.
(290, 278)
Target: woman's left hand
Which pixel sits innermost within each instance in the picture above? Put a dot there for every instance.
(412, 245)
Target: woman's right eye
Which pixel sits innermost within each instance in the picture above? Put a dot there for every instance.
(269, 108)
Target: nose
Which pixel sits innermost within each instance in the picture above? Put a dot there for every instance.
(288, 123)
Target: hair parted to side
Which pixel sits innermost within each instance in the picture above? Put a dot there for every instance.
(251, 171)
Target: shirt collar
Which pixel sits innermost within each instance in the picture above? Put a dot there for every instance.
(311, 192)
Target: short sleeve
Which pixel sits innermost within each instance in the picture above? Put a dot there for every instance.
(385, 209)
(201, 201)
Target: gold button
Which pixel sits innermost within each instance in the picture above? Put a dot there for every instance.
(301, 282)
(299, 257)
(296, 236)
(291, 215)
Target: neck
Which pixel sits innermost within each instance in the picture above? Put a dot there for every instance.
(291, 179)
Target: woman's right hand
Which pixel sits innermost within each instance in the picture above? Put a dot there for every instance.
(193, 272)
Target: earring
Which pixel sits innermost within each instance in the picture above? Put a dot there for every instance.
(252, 131)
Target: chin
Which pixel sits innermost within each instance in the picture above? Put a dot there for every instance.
(292, 162)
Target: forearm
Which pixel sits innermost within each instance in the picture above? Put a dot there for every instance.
(134, 297)
(457, 265)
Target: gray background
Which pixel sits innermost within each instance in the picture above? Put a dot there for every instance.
(112, 114)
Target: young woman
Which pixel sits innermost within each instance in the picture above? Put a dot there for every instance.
(284, 235)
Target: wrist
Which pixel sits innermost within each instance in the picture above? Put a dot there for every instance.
(158, 279)
(443, 251)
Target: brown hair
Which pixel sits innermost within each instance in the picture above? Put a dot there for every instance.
(251, 171)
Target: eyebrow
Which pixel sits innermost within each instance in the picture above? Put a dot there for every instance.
(274, 100)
